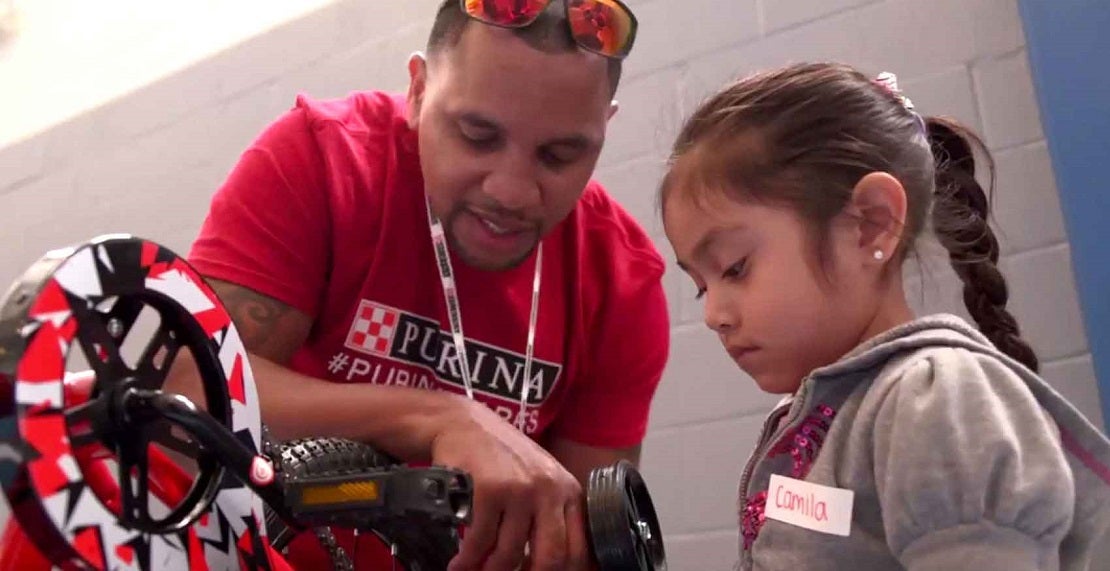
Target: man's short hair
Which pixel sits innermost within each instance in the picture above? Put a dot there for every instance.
(549, 33)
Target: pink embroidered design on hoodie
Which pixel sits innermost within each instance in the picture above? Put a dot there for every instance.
(802, 443)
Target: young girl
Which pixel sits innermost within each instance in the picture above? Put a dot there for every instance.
(904, 442)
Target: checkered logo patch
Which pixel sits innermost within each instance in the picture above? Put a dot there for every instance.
(373, 328)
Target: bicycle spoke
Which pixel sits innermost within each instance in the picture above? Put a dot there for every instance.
(136, 506)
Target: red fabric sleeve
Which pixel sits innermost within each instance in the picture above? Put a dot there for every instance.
(268, 225)
(628, 344)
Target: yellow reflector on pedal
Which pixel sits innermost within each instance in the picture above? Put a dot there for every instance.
(340, 493)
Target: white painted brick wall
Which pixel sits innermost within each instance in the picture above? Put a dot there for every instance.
(148, 163)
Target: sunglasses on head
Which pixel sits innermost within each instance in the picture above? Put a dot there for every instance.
(605, 27)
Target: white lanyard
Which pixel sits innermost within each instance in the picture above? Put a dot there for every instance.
(450, 295)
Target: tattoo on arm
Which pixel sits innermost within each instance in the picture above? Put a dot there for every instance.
(267, 326)
(254, 314)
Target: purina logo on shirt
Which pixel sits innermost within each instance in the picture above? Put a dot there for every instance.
(397, 335)
(373, 329)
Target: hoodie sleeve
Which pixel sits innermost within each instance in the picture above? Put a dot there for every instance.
(969, 469)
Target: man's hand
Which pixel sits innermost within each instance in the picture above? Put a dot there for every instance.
(522, 495)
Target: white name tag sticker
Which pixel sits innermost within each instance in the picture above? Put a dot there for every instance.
(812, 506)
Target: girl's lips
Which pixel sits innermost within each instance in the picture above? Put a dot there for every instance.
(738, 352)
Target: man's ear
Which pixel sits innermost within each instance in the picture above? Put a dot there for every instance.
(878, 203)
(614, 106)
(418, 83)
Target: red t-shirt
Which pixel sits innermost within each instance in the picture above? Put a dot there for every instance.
(325, 212)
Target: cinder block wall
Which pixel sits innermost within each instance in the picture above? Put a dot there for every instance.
(148, 163)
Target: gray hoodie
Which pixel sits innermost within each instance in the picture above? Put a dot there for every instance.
(931, 450)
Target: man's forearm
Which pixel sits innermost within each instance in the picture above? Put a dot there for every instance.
(396, 420)
(580, 459)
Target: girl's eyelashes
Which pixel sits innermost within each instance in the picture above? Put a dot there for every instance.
(734, 271)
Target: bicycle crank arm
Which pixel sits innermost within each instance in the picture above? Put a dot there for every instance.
(254, 470)
(357, 498)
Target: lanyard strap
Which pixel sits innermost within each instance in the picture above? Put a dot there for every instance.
(451, 297)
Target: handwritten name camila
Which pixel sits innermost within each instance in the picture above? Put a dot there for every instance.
(805, 505)
(812, 506)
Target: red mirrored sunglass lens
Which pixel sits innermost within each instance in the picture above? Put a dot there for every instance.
(505, 12)
(601, 25)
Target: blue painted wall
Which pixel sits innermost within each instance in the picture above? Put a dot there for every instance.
(1069, 54)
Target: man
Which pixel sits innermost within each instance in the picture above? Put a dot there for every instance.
(322, 247)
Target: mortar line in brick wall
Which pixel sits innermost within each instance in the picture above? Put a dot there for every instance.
(976, 97)
(932, 264)
(761, 16)
(685, 327)
(813, 19)
(698, 534)
(978, 64)
(688, 322)
(232, 95)
(121, 139)
(720, 419)
(16, 186)
(1022, 145)
(758, 37)
(667, 66)
(175, 117)
(641, 73)
(622, 163)
(1086, 354)
(680, 106)
(171, 121)
(1016, 256)
(276, 77)
(989, 58)
(695, 532)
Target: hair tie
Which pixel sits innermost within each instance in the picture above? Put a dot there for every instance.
(889, 82)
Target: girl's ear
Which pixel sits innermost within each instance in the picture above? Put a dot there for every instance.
(878, 203)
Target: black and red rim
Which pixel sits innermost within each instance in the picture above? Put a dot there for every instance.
(53, 462)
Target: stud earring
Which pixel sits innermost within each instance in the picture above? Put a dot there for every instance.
(879, 255)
